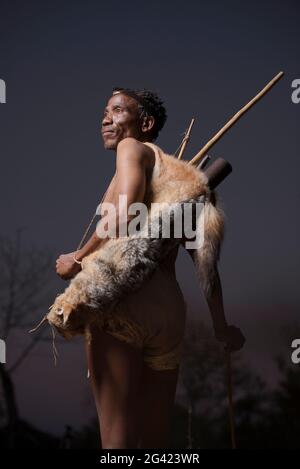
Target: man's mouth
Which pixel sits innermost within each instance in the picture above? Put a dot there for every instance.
(107, 132)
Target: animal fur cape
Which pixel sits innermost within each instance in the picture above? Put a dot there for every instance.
(123, 264)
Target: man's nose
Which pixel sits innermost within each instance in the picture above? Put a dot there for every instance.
(107, 119)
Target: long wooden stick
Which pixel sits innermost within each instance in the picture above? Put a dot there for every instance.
(186, 139)
(230, 399)
(235, 118)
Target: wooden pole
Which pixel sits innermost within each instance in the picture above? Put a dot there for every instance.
(185, 139)
(230, 399)
(235, 118)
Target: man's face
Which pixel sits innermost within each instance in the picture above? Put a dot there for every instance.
(120, 120)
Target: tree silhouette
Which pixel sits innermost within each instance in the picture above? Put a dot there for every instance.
(203, 381)
(23, 291)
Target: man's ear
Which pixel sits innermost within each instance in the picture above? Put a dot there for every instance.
(148, 123)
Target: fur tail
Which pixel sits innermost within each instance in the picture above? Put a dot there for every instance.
(206, 257)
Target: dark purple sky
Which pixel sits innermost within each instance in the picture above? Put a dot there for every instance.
(206, 59)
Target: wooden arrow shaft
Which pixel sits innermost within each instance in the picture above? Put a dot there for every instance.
(235, 118)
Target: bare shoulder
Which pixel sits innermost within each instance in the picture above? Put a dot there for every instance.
(131, 150)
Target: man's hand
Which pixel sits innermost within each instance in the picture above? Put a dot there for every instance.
(232, 337)
(66, 267)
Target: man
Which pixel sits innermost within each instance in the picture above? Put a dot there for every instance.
(134, 360)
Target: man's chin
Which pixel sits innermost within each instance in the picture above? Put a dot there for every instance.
(110, 144)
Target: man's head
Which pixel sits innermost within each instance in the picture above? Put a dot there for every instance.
(132, 113)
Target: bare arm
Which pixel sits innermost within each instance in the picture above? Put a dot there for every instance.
(216, 307)
(129, 180)
(230, 335)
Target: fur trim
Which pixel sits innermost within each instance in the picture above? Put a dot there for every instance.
(122, 265)
(206, 258)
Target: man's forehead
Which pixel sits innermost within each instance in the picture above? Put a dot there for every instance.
(121, 99)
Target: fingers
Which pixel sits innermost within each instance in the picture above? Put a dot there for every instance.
(232, 348)
(64, 276)
(235, 346)
(235, 339)
(59, 268)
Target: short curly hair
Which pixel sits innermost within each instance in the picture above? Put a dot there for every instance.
(149, 104)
